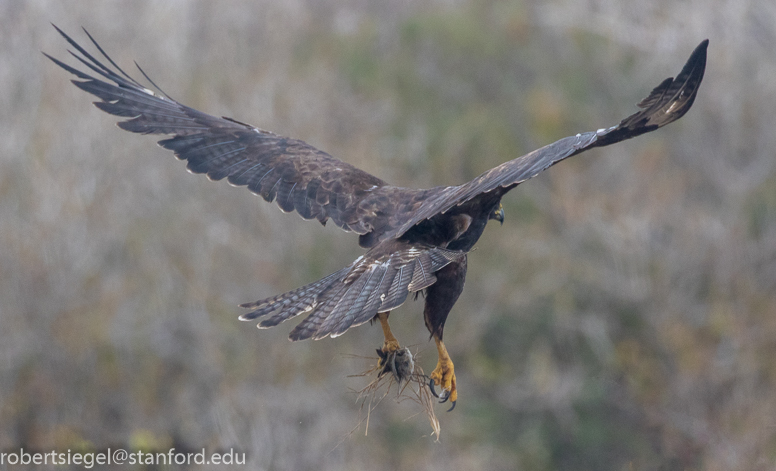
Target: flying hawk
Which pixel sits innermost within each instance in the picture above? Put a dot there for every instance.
(415, 240)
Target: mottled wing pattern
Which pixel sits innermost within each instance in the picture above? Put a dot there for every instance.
(668, 102)
(378, 281)
(302, 178)
(294, 174)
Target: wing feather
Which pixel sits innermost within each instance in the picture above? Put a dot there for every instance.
(666, 103)
(321, 186)
(300, 177)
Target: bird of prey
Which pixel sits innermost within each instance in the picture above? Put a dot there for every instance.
(415, 239)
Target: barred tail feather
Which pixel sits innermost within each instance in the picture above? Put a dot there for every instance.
(308, 328)
(398, 291)
(379, 281)
(346, 305)
(304, 305)
(361, 310)
(299, 295)
(376, 298)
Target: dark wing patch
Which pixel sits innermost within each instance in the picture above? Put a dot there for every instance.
(300, 177)
(379, 281)
(294, 174)
(668, 102)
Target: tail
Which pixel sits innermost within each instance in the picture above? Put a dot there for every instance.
(378, 281)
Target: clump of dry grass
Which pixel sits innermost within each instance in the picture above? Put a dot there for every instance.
(399, 368)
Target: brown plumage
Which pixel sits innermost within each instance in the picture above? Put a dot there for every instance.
(416, 239)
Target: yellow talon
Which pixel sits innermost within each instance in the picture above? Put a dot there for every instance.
(444, 376)
(391, 344)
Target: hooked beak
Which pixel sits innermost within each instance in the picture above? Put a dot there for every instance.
(498, 215)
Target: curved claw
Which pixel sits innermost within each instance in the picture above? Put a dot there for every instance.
(431, 387)
(445, 395)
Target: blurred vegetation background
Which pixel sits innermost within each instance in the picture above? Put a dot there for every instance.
(624, 316)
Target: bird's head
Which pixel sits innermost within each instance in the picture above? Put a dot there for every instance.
(498, 214)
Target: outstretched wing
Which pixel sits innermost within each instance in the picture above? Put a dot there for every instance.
(294, 174)
(668, 102)
(302, 178)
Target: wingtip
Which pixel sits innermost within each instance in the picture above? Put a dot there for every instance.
(697, 58)
(701, 49)
(61, 32)
(695, 68)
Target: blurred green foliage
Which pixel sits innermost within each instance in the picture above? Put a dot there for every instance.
(623, 317)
